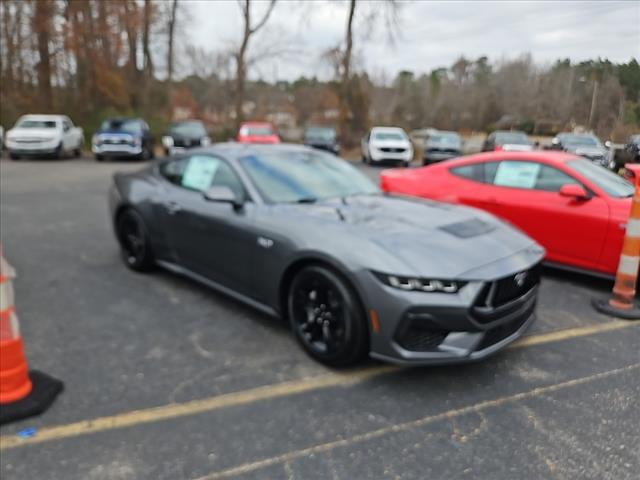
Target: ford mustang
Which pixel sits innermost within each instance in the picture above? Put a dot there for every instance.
(575, 209)
(301, 234)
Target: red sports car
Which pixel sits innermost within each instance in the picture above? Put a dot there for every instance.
(577, 210)
(257, 132)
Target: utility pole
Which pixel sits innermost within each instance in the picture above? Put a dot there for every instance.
(594, 99)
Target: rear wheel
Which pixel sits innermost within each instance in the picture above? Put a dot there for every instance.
(134, 241)
(326, 317)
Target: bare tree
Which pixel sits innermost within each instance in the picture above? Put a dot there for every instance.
(241, 54)
(42, 27)
(389, 11)
(171, 40)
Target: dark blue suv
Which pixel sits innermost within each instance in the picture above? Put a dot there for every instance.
(123, 137)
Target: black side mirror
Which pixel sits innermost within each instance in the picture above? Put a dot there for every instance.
(223, 194)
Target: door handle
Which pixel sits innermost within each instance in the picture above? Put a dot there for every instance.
(172, 208)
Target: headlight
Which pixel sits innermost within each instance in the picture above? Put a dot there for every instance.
(205, 141)
(420, 284)
(95, 139)
(167, 141)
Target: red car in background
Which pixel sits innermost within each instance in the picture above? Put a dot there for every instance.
(577, 210)
(257, 132)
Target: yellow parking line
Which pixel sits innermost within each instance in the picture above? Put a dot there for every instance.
(294, 387)
(401, 427)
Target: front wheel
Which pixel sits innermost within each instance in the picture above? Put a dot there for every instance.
(326, 317)
(134, 241)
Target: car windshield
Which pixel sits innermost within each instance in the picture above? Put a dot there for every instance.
(513, 138)
(256, 131)
(614, 185)
(320, 133)
(301, 176)
(129, 126)
(389, 136)
(445, 138)
(581, 141)
(36, 124)
(188, 129)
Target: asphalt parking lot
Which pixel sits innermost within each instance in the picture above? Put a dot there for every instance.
(166, 379)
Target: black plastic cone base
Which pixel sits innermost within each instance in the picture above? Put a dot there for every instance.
(603, 307)
(44, 392)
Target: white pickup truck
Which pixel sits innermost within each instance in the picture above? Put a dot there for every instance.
(39, 135)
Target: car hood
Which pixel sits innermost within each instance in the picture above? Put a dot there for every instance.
(115, 131)
(32, 132)
(423, 237)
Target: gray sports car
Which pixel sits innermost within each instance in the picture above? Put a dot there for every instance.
(300, 234)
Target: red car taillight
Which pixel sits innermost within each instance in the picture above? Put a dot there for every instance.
(497, 148)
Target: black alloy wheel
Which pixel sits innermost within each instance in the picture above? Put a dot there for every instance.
(326, 317)
(134, 241)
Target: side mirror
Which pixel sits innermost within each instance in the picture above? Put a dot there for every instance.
(223, 194)
(572, 190)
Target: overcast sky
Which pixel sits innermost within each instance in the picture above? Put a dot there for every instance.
(430, 34)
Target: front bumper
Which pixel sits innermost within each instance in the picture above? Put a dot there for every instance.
(115, 150)
(32, 148)
(431, 156)
(381, 156)
(418, 328)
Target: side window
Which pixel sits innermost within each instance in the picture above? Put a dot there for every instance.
(516, 174)
(201, 172)
(490, 169)
(470, 172)
(173, 170)
(551, 179)
(225, 176)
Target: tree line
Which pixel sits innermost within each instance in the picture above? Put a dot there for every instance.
(95, 58)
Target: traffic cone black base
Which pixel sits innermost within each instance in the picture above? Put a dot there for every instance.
(44, 392)
(603, 307)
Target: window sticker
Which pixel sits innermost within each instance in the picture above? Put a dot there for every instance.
(199, 173)
(517, 174)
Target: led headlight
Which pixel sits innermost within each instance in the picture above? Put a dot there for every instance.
(205, 141)
(167, 141)
(420, 284)
(95, 140)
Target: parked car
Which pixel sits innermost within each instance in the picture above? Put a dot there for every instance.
(441, 145)
(257, 132)
(301, 234)
(44, 135)
(630, 153)
(181, 136)
(322, 138)
(383, 144)
(123, 138)
(507, 140)
(584, 144)
(574, 208)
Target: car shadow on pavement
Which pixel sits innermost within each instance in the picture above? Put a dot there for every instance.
(591, 282)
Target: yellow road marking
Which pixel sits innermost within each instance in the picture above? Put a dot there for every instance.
(400, 427)
(253, 395)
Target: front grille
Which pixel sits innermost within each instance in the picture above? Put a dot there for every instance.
(502, 292)
(186, 143)
(30, 140)
(419, 339)
(392, 149)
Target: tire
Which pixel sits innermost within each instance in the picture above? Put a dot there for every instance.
(134, 241)
(14, 156)
(145, 156)
(99, 158)
(57, 154)
(77, 152)
(326, 317)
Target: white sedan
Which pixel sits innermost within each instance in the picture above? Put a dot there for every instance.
(38, 135)
(387, 144)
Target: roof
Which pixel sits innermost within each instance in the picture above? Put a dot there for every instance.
(387, 129)
(541, 155)
(42, 116)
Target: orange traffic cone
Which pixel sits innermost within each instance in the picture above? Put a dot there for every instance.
(623, 303)
(22, 393)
